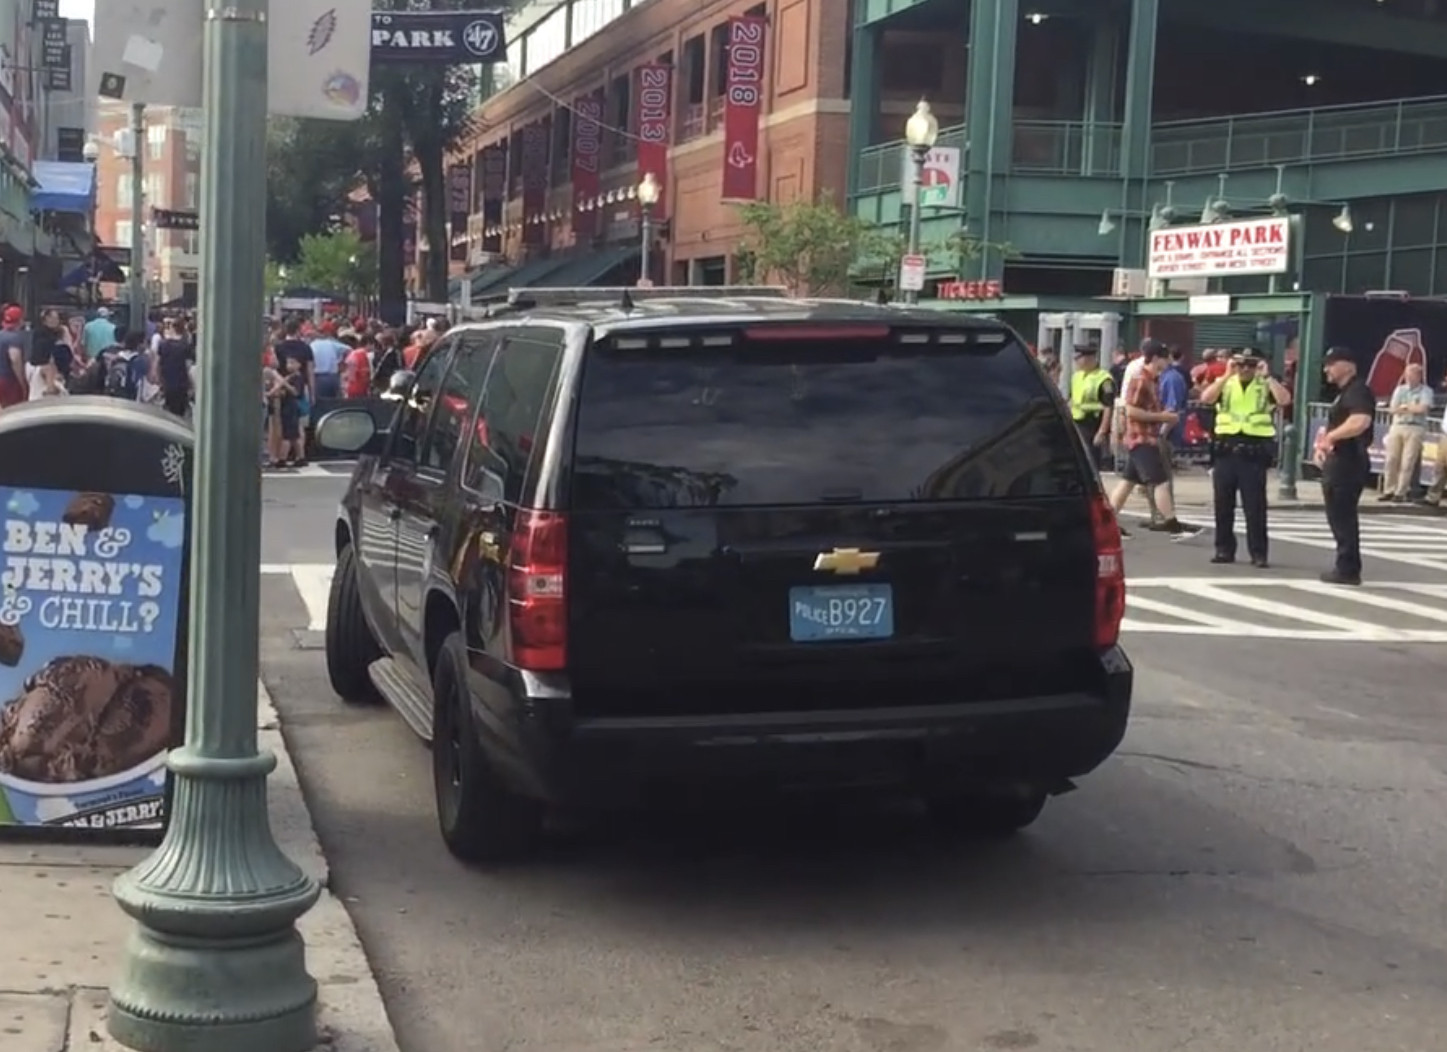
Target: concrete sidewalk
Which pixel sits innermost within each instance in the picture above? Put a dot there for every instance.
(1193, 490)
(64, 933)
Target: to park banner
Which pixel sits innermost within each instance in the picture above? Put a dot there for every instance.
(587, 157)
(441, 38)
(653, 112)
(743, 106)
(89, 629)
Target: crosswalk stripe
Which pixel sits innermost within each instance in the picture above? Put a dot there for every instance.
(1366, 598)
(1139, 602)
(1286, 611)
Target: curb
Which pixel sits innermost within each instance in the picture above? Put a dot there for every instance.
(351, 1016)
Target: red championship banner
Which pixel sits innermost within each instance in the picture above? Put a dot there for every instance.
(653, 107)
(587, 155)
(743, 105)
(535, 183)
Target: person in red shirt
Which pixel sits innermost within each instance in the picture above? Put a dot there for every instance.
(357, 369)
(13, 389)
(1144, 421)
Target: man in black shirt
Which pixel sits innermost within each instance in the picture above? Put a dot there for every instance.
(291, 345)
(1341, 453)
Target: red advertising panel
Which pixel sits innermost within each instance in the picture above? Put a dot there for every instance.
(535, 183)
(653, 102)
(743, 105)
(587, 154)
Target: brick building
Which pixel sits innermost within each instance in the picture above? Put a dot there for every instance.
(172, 160)
(548, 196)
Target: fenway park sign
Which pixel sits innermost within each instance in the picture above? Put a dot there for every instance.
(1248, 246)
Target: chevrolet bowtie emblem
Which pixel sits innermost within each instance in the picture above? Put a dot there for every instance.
(846, 561)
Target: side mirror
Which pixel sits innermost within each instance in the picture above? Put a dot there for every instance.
(351, 431)
(400, 385)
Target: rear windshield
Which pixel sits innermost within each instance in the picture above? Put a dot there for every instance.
(805, 422)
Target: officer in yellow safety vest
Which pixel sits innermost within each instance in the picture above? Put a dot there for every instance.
(1246, 400)
(1092, 393)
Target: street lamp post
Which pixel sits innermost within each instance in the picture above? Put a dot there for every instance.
(90, 154)
(920, 132)
(138, 220)
(648, 192)
(215, 960)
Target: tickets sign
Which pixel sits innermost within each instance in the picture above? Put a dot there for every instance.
(1247, 246)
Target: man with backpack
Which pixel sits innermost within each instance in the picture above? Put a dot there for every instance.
(126, 368)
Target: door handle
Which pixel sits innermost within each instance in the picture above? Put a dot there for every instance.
(433, 531)
(394, 513)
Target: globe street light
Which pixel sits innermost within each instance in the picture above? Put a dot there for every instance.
(648, 194)
(90, 152)
(920, 132)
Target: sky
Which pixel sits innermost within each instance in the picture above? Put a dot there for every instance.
(77, 9)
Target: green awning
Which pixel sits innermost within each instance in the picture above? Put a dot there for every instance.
(591, 268)
(529, 273)
(490, 277)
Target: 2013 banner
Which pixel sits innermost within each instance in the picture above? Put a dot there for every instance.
(743, 105)
(459, 196)
(653, 111)
(445, 38)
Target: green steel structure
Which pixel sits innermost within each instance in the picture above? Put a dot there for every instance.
(1081, 120)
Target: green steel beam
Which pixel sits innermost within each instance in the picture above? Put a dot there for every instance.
(989, 102)
(1135, 147)
(863, 98)
(1044, 304)
(1241, 306)
(869, 12)
(1364, 27)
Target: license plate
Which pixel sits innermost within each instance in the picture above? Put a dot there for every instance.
(821, 613)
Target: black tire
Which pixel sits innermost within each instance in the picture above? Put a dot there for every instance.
(350, 646)
(990, 816)
(479, 819)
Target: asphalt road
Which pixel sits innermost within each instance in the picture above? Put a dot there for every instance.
(1259, 868)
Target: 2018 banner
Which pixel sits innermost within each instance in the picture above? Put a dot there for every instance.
(494, 194)
(446, 38)
(653, 111)
(743, 105)
(587, 150)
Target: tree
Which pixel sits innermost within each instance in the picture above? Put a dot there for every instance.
(339, 262)
(311, 166)
(813, 246)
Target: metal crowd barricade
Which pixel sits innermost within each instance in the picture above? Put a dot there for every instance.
(1316, 415)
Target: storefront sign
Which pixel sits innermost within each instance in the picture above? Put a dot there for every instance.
(53, 44)
(939, 179)
(743, 106)
(446, 38)
(653, 110)
(46, 10)
(587, 156)
(59, 78)
(969, 290)
(171, 219)
(1247, 246)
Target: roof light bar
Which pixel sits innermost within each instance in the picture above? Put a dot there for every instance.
(616, 294)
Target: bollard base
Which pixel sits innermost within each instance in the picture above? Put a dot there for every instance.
(193, 995)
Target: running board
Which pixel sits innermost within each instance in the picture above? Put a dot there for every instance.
(396, 687)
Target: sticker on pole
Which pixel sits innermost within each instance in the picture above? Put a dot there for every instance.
(911, 273)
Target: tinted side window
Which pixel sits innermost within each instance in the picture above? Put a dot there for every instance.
(458, 398)
(805, 421)
(506, 436)
(412, 420)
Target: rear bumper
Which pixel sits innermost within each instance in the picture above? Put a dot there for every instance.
(1043, 740)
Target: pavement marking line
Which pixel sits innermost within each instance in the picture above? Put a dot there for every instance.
(1155, 606)
(1216, 594)
(314, 584)
(1366, 597)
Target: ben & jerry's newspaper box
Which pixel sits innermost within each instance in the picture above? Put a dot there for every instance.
(94, 510)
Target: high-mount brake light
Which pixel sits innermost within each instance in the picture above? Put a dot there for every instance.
(537, 592)
(1109, 573)
(816, 332)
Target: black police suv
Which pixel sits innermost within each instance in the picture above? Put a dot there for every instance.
(620, 545)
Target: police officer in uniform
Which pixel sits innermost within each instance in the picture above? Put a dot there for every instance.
(1242, 451)
(1092, 393)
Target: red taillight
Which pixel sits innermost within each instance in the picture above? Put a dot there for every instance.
(537, 577)
(1109, 573)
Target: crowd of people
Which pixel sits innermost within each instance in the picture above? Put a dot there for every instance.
(66, 353)
(307, 362)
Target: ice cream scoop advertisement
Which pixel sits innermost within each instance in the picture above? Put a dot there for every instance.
(89, 617)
